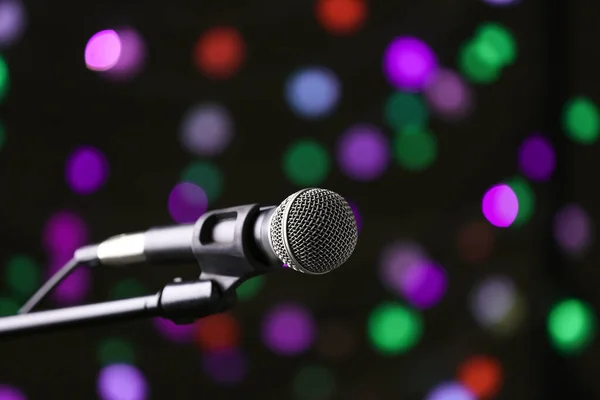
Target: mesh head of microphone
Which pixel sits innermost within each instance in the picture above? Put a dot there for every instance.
(313, 231)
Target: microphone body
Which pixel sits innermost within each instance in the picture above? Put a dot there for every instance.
(228, 234)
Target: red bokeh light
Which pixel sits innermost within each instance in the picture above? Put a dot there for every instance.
(476, 242)
(220, 52)
(218, 332)
(482, 375)
(341, 17)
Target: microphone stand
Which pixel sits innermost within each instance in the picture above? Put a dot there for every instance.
(181, 302)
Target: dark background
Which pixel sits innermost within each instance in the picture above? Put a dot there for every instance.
(56, 104)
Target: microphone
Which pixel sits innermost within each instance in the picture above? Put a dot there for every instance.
(312, 231)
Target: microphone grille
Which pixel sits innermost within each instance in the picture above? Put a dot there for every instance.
(313, 231)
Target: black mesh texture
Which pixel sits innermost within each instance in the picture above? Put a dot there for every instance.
(321, 231)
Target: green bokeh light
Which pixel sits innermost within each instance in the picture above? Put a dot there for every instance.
(497, 38)
(394, 328)
(128, 288)
(406, 110)
(479, 62)
(2, 135)
(3, 77)
(250, 288)
(416, 150)
(314, 382)
(23, 276)
(8, 306)
(526, 198)
(581, 120)
(306, 163)
(114, 350)
(206, 175)
(571, 325)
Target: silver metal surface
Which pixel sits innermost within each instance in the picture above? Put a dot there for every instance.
(314, 231)
(122, 249)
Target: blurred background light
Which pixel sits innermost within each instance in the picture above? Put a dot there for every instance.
(396, 258)
(115, 351)
(448, 96)
(525, 198)
(481, 375)
(10, 392)
(313, 92)
(314, 382)
(103, 50)
(581, 120)
(475, 242)
(478, 62)
(497, 305)
(406, 111)
(23, 276)
(217, 332)
(131, 58)
(573, 230)
(288, 329)
(502, 2)
(4, 78)
(227, 367)
(393, 328)
(336, 339)
(423, 284)
(250, 288)
(187, 202)
(220, 52)
(409, 64)
(537, 159)
(8, 306)
(86, 170)
(450, 391)
(206, 175)
(64, 232)
(13, 22)
(306, 162)
(341, 17)
(500, 206)
(121, 382)
(174, 332)
(206, 129)
(127, 288)
(500, 41)
(363, 153)
(571, 325)
(415, 150)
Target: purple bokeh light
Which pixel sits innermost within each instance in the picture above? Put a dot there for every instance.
(225, 366)
(13, 20)
(187, 202)
(64, 233)
(75, 287)
(423, 284)
(537, 159)
(363, 153)
(86, 170)
(288, 329)
(450, 391)
(173, 332)
(500, 206)
(206, 129)
(409, 64)
(502, 2)
(448, 95)
(122, 382)
(573, 230)
(11, 393)
(103, 50)
(357, 216)
(395, 260)
(132, 57)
